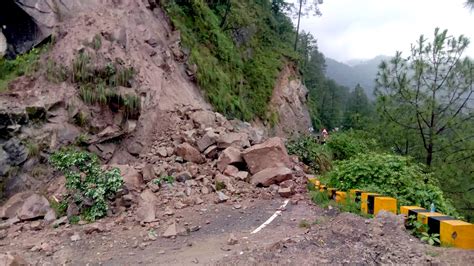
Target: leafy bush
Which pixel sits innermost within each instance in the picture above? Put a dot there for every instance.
(391, 175)
(320, 197)
(24, 64)
(88, 185)
(345, 145)
(239, 48)
(310, 152)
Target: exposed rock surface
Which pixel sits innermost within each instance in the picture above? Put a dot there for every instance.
(189, 153)
(270, 176)
(289, 100)
(229, 156)
(10, 259)
(269, 154)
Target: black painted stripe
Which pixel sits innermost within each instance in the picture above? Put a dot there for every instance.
(434, 223)
(416, 211)
(371, 203)
(332, 193)
(358, 195)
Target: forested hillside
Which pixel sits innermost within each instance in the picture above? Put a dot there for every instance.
(361, 72)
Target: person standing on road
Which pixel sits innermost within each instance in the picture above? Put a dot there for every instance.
(324, 136)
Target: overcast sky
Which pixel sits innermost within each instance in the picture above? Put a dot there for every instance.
(363, 29)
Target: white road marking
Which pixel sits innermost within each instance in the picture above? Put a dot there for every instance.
(267, 222)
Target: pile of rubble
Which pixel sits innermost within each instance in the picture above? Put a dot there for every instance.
(201, 158)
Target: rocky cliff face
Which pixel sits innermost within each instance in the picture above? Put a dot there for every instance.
(45, 115)
(289, 100)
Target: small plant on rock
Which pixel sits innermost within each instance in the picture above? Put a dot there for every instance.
(88, 185)
(431, 239)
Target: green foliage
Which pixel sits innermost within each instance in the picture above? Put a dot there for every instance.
(98, 85)
(415, 226)
(424, 101)
(345, 145)
(390, 175)
(220, 185)
(25, 64)
(59, 208)
(81, 139)
(313, 154)
(239, 48)
(320, 198)
(88, 185)
(74, 219)
(431, 239)
(33, 148)
(359, 110)
(326, 99)
(56, 73)
(163, 179)
(304, 224)
(420, 230)
(350, 205)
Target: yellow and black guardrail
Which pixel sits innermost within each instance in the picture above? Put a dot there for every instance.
(452, 232)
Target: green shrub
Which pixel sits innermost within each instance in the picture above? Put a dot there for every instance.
(237, 76)
(33, 149)
(97, 84)
(88, 185)
(310, 152)
(320, 198)
(24, 64)
(391, 175)
(345, 145)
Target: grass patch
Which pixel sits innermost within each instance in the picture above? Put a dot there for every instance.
(25, 64)
(33, 149)
(99, 84)
(239, 54)
(304, 224)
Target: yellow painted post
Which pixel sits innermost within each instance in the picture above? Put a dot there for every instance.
(457, 233)
(365, 202)
(341, 197)
(385, 204)
(313, 180)
(423, 216)
(317, 184)
(355, 194)
(405, 210)
(322, 188)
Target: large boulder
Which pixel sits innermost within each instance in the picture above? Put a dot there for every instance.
(271, 176)
(269, 154)
(240, 140)
(231, 155)
(146, 212)
(13, 204)
(204, 118)
(189, 153)
(35, 206)
(132, 179)
(207, 140)
(17, 152)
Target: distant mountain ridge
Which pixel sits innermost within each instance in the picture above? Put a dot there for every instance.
(355, 72)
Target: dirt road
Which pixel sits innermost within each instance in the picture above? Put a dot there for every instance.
(326, 237)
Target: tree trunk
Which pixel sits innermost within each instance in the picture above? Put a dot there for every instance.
(298, 25)
(429, 154)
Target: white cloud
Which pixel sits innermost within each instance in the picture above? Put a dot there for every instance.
(363, 29)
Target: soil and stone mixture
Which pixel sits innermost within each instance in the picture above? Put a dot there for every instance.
(228, 177)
